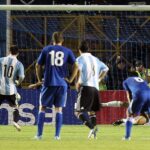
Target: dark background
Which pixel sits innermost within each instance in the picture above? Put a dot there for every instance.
(101, 2)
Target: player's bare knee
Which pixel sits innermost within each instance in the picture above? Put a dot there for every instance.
(58, 109)
(76, 113)
(42, 108)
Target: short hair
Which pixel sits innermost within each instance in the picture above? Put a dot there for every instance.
(138, 63)
(84, 47)
(133, 74)
(57, 37)
(14, 50)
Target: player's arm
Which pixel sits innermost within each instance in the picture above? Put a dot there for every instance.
(38, 69)
(35, 85)
(74, 73)
(21, 75)
(103, 73)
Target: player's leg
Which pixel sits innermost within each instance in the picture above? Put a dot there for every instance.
(59, 121)
(40, 122)
(86, 121)
(93, 132)
(95, 106)
(92, 116)
(43, 102)
(115, 104)
(81, 106)
(13, 102)
(59, 102)
(134, 109)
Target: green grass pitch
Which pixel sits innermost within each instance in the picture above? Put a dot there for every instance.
(74, 138)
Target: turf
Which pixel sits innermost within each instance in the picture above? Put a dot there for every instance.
(74, 138)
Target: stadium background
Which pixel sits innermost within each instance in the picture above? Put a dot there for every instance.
(110, 34)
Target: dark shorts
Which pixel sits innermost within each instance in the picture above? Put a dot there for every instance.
(11, 99)
(87, 100)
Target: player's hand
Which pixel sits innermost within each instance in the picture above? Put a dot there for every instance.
(77, 85)
(66, 79)
(17, 82)
(34, 86)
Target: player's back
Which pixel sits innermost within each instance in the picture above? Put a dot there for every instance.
(55, 58)
(136, 85)
(90, 67)
(8, 74)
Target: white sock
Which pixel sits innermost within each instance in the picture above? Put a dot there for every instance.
(112, 104)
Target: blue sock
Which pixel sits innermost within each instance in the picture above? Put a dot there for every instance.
(59, 119)
(128, 128)
(40, 123)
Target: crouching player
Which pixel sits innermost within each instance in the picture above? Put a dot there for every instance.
(137, 89)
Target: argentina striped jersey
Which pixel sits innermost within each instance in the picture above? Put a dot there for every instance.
(90, 68)
(10, 70)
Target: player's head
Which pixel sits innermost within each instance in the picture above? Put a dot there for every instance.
(139, 65)
(14, 50)
(57, 38)
(83, 47)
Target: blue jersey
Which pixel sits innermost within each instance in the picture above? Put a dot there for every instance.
(135, 85)
(140, 95)
(55, 60)
(90, 68)
(10, 70)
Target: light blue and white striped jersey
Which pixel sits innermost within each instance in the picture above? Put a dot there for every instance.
(90, 68)
(10, 70)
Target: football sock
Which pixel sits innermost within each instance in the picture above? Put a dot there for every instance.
(15, 115)
(93, 119)
(128, 127)
(40, 123)
(59, 120)
(86, 121)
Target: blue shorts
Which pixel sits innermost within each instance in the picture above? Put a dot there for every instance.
(53, 95)
(139, 105)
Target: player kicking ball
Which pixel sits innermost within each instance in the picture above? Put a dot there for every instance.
(91, 71)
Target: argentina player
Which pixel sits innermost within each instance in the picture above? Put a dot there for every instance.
(91, 72)
(138, 94)
(11, 73)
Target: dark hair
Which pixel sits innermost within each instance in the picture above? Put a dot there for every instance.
(14, 50)
(138, 63)
(57, 37)
(133, 74)
(83, 46)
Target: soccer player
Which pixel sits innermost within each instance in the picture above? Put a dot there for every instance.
(91, 72)
(138, 94)
(142, 119)
(11, 74)
(55, 59)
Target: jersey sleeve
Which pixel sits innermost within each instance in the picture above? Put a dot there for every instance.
(80, 63)
(103, 67)
(71, 57)
(125, 86)
(21, 71)
(41, 59)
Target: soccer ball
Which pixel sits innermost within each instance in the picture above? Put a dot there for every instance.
(18, 97)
